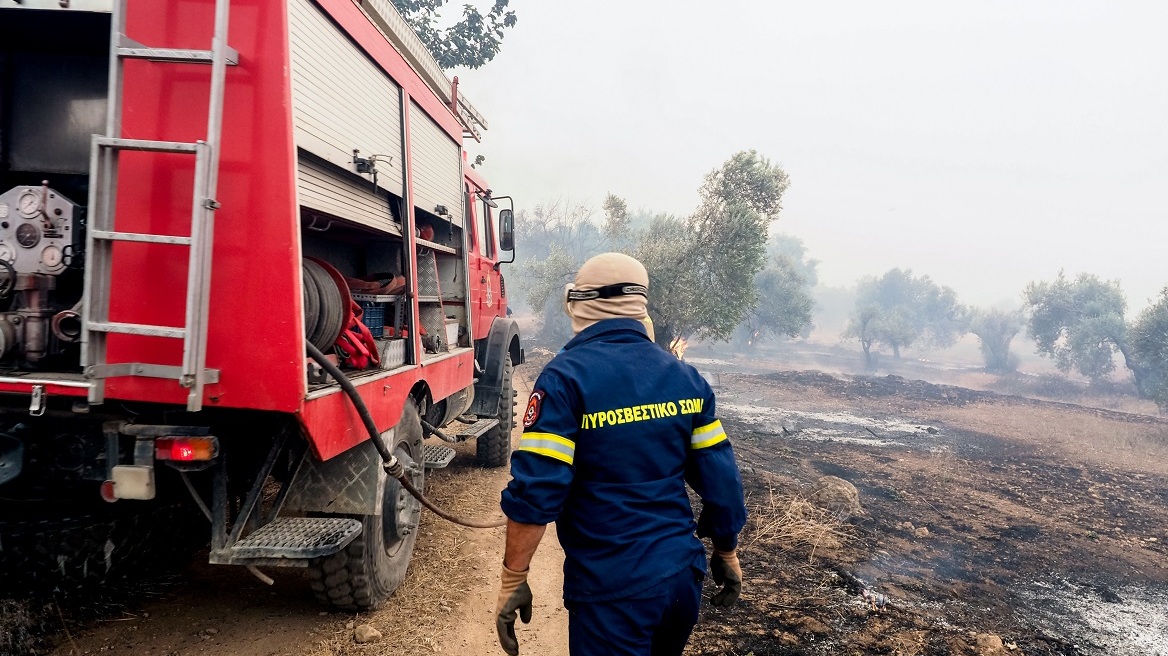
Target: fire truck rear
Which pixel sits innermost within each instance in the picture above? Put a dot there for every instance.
(191, 194)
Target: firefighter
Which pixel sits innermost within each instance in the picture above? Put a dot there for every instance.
(614, 430)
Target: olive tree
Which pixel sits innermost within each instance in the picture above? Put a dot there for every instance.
(702, 267)
(1149, 346)
(995, 329)
(784, 288)
(1079, 323)
(899, 310)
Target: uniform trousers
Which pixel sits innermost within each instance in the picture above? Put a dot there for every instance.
(654, 623)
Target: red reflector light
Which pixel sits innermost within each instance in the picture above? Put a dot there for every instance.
(185, 449)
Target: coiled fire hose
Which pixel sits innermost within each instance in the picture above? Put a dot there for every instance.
(391, 464)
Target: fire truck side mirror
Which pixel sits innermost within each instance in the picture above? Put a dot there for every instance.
(506, 230)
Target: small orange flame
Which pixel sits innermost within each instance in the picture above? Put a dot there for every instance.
(678, 347)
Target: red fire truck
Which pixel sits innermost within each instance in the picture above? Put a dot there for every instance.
(192, 192)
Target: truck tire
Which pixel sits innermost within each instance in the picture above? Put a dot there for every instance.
(364, 574)
(494, 447)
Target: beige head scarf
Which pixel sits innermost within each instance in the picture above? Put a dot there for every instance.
(600, 271)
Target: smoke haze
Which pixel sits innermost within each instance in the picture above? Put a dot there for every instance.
(986, 144)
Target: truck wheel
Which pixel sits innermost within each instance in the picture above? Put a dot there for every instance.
(364, 574)
(494, 446)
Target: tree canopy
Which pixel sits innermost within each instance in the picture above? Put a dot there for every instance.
(784, 303)
(899, 310)
(1149, 347)
(471, 42)
(784, 287)
(701, 267)
(1079, 323)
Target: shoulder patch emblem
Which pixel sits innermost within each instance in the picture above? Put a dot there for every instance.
(532, 413)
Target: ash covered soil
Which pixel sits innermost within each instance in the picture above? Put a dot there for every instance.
(990, 524)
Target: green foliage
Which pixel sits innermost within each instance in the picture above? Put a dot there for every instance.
(1149, 347)
(784, 293)
(471, 42)
(549, 275)
(996, 329)
(702, 268)
(749, 180)
(793, 249)
(784, 302)
(701, 271)
(1079, 323)
(553, 239)
(899, 310)
(617, 222)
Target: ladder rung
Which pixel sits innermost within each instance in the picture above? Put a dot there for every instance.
(146, 145)
(176, 55)
(140, 237)
(147, 370)
(136, 329)
(131, 49)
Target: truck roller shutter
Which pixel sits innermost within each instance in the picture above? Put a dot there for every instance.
(341, 101)
(437, 166)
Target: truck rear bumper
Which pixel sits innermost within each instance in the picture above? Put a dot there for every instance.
(52, 384)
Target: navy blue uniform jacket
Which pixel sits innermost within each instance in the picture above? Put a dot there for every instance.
(614, 429)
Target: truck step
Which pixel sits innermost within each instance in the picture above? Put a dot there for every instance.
(298, 538)
(462, 432)
(437, 456)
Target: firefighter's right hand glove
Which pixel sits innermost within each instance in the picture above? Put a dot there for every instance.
(514, 595)
(727, 573)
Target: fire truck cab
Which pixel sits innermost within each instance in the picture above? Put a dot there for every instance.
(191, 192)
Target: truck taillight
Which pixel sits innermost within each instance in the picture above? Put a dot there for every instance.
(186, 449)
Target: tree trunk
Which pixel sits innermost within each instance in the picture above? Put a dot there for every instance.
(1138, 372)
(896, 350)
(663, 335)
(867, 354)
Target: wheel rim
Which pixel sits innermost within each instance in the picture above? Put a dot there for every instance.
(401, 512)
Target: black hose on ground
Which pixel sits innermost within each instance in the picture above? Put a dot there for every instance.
(392, 465)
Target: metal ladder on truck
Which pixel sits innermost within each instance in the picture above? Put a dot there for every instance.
(102, 233)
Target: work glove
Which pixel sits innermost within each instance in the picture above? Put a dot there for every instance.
(727, 573)
(514, 595)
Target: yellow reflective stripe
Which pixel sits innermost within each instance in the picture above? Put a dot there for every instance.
(548, 452)
(550, 445)
(708, 435)
(548, 436)
(710, 442)
(717, 425)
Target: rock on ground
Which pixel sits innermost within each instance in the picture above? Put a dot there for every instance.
(837, 495)
(365, 634)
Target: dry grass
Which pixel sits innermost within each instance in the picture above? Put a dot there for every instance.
(23, 625)
(442, 572)
(792, 523)
(1079, 434)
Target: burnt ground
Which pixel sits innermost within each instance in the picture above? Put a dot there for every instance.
(985, 517)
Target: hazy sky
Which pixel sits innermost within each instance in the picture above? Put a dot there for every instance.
(986, 144)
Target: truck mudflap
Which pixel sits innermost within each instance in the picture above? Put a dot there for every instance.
(490, 356)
